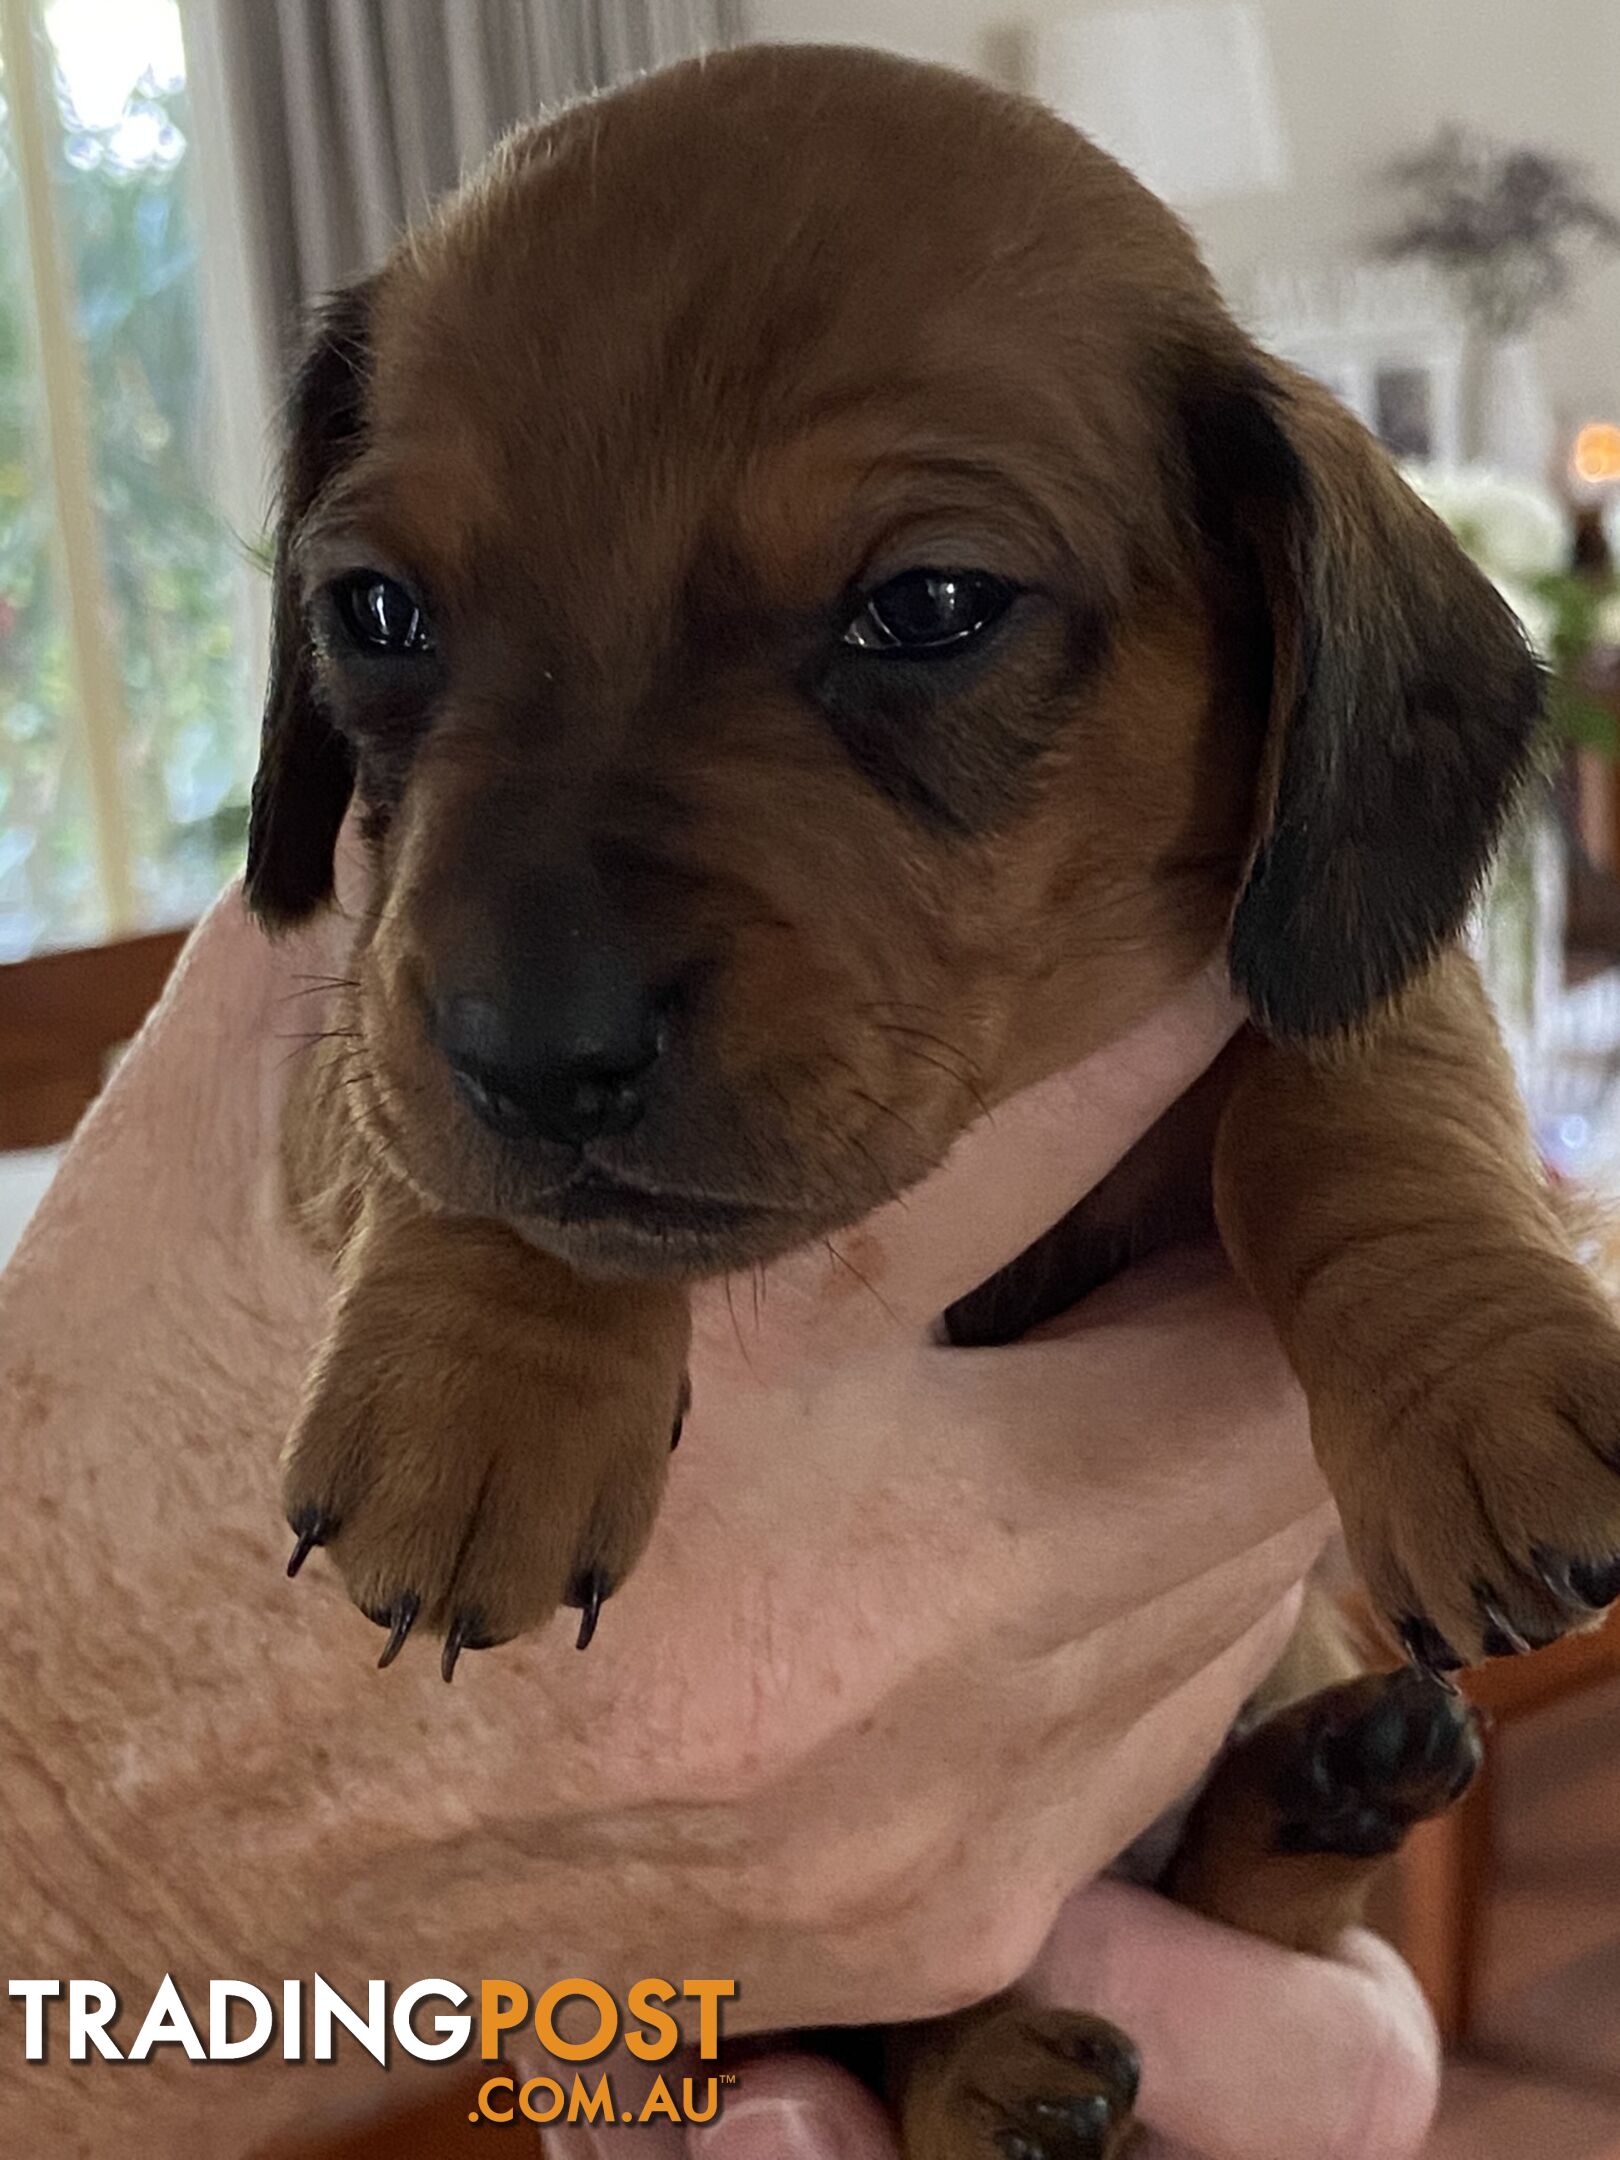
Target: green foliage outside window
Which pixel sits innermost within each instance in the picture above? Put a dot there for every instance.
(175, 574)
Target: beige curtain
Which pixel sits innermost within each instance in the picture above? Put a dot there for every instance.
(323, 126)
(345, 118)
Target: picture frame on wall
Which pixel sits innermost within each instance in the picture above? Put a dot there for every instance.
(1385, 339)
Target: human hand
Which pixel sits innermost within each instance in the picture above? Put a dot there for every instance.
(925, 1636)
(1215, 2015)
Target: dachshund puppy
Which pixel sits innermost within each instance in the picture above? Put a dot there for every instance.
(825, 620)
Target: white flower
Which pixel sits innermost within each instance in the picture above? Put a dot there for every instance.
(1447, 489)
(1513, 530)
(1539, 620)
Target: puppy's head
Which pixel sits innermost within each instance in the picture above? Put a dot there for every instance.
(825, 619)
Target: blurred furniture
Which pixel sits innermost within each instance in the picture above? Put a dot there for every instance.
(1446, 1867)
(1385, 338)
(63, 1017)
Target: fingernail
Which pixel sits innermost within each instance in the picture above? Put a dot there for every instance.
(769, 2130)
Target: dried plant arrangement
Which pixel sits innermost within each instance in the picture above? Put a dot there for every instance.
(1506, 227)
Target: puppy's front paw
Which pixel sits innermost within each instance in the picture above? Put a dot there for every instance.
(1484, 1513)
(484, 1437)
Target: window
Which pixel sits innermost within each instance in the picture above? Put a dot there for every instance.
(126, 734)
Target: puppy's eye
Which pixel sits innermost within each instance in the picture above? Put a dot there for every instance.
(927, 612)
(379, 614)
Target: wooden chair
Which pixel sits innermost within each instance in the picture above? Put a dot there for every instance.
(62, 1019)
(1446, 1868)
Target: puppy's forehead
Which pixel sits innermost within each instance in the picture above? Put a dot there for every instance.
(755, 278)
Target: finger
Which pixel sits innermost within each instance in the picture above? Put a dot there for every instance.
(796, 2107)
(1013, 1175)
(1397, 1987)
(632, 2082)
(1215, 2013)
(657, 2140)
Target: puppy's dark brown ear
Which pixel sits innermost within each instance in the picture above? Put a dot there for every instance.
(1404, 704)
(306, 772)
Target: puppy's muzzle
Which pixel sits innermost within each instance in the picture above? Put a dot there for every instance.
(570, 1067)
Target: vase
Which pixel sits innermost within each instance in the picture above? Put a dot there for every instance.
(1517, 939)
(1515, 430)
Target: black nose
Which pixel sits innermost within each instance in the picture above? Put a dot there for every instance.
(571, 1073)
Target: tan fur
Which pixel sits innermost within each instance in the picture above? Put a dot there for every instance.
(1460, 1363)
(645, 412)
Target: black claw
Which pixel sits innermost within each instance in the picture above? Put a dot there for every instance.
(312, 1526)
(1595, 1582)
(1427, 1647)
(1592, 1584)
(1108, 2055)
(682, 1406)
(1501, 1637)
(588, 1593)
(399, 1621)
(466, 1633)
(1091, 2114)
